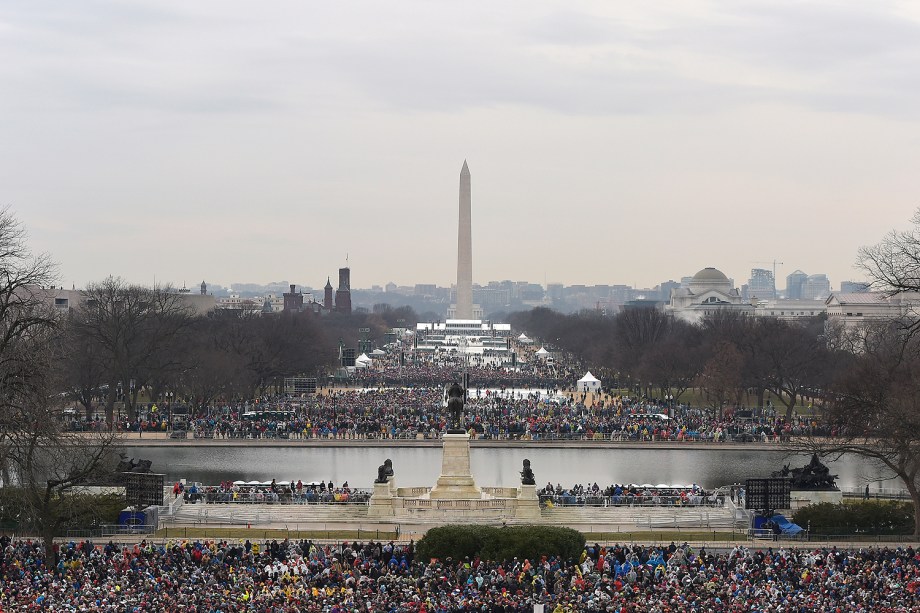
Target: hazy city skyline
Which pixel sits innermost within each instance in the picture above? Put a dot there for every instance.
(609, 143)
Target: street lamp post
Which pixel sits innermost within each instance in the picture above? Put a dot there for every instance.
(169, 396)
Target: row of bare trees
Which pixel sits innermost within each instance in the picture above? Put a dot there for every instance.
(727, 355)
(868, 375)
(126, 342)
(120, 342)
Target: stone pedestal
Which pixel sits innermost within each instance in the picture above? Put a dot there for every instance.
(456, 480)
(528, 503)
(381, 503)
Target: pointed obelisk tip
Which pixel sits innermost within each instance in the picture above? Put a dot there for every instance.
(465, 168)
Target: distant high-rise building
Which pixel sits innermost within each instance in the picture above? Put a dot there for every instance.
(204, 288)
(795, 284)
(554, 291)
(343, 293)
(664, 289)
(854, 287)
(761, 285)
(817, 287)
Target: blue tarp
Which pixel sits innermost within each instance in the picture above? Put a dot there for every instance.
(785, 525)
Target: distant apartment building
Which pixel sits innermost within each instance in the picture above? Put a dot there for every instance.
(491, 298)
(795, 284)
(64, 300)
(528, 292)
(854, 287)
(554, 291)
(816, 287)
(426, 290)
(663, 290)
(236, 302)
(761, 285)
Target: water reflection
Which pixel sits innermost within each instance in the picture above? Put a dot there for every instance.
(491, 466)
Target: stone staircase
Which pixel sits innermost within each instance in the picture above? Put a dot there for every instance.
(615, 518)
(625, 517)
(276, 514)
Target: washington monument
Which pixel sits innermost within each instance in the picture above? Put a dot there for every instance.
(464, 250)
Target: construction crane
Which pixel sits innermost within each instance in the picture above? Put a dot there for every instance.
(775, 263)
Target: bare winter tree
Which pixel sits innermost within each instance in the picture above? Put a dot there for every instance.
(721, 377)
(25, 318)
(82, 367)
(41, 463)
(790, 359)
(50, 468)
(893, 264)
(874, 407)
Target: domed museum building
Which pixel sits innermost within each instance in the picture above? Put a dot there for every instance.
(708, 290)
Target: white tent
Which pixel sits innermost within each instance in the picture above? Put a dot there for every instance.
(588, 383)
(378, 352)
(542, 352)
(524, 339)
(362, 361)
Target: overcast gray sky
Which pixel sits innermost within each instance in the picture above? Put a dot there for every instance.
(609, 142)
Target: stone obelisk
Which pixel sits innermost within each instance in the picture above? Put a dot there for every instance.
(465, 250)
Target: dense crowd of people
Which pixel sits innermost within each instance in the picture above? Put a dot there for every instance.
(628, 495)
(298, 492)
(530, 415)
(534, 401)
(390, 413)
(422, 371)
(301, 576)
(273, 492)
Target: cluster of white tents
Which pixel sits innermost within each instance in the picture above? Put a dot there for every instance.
(588, 383)
(363, 361)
